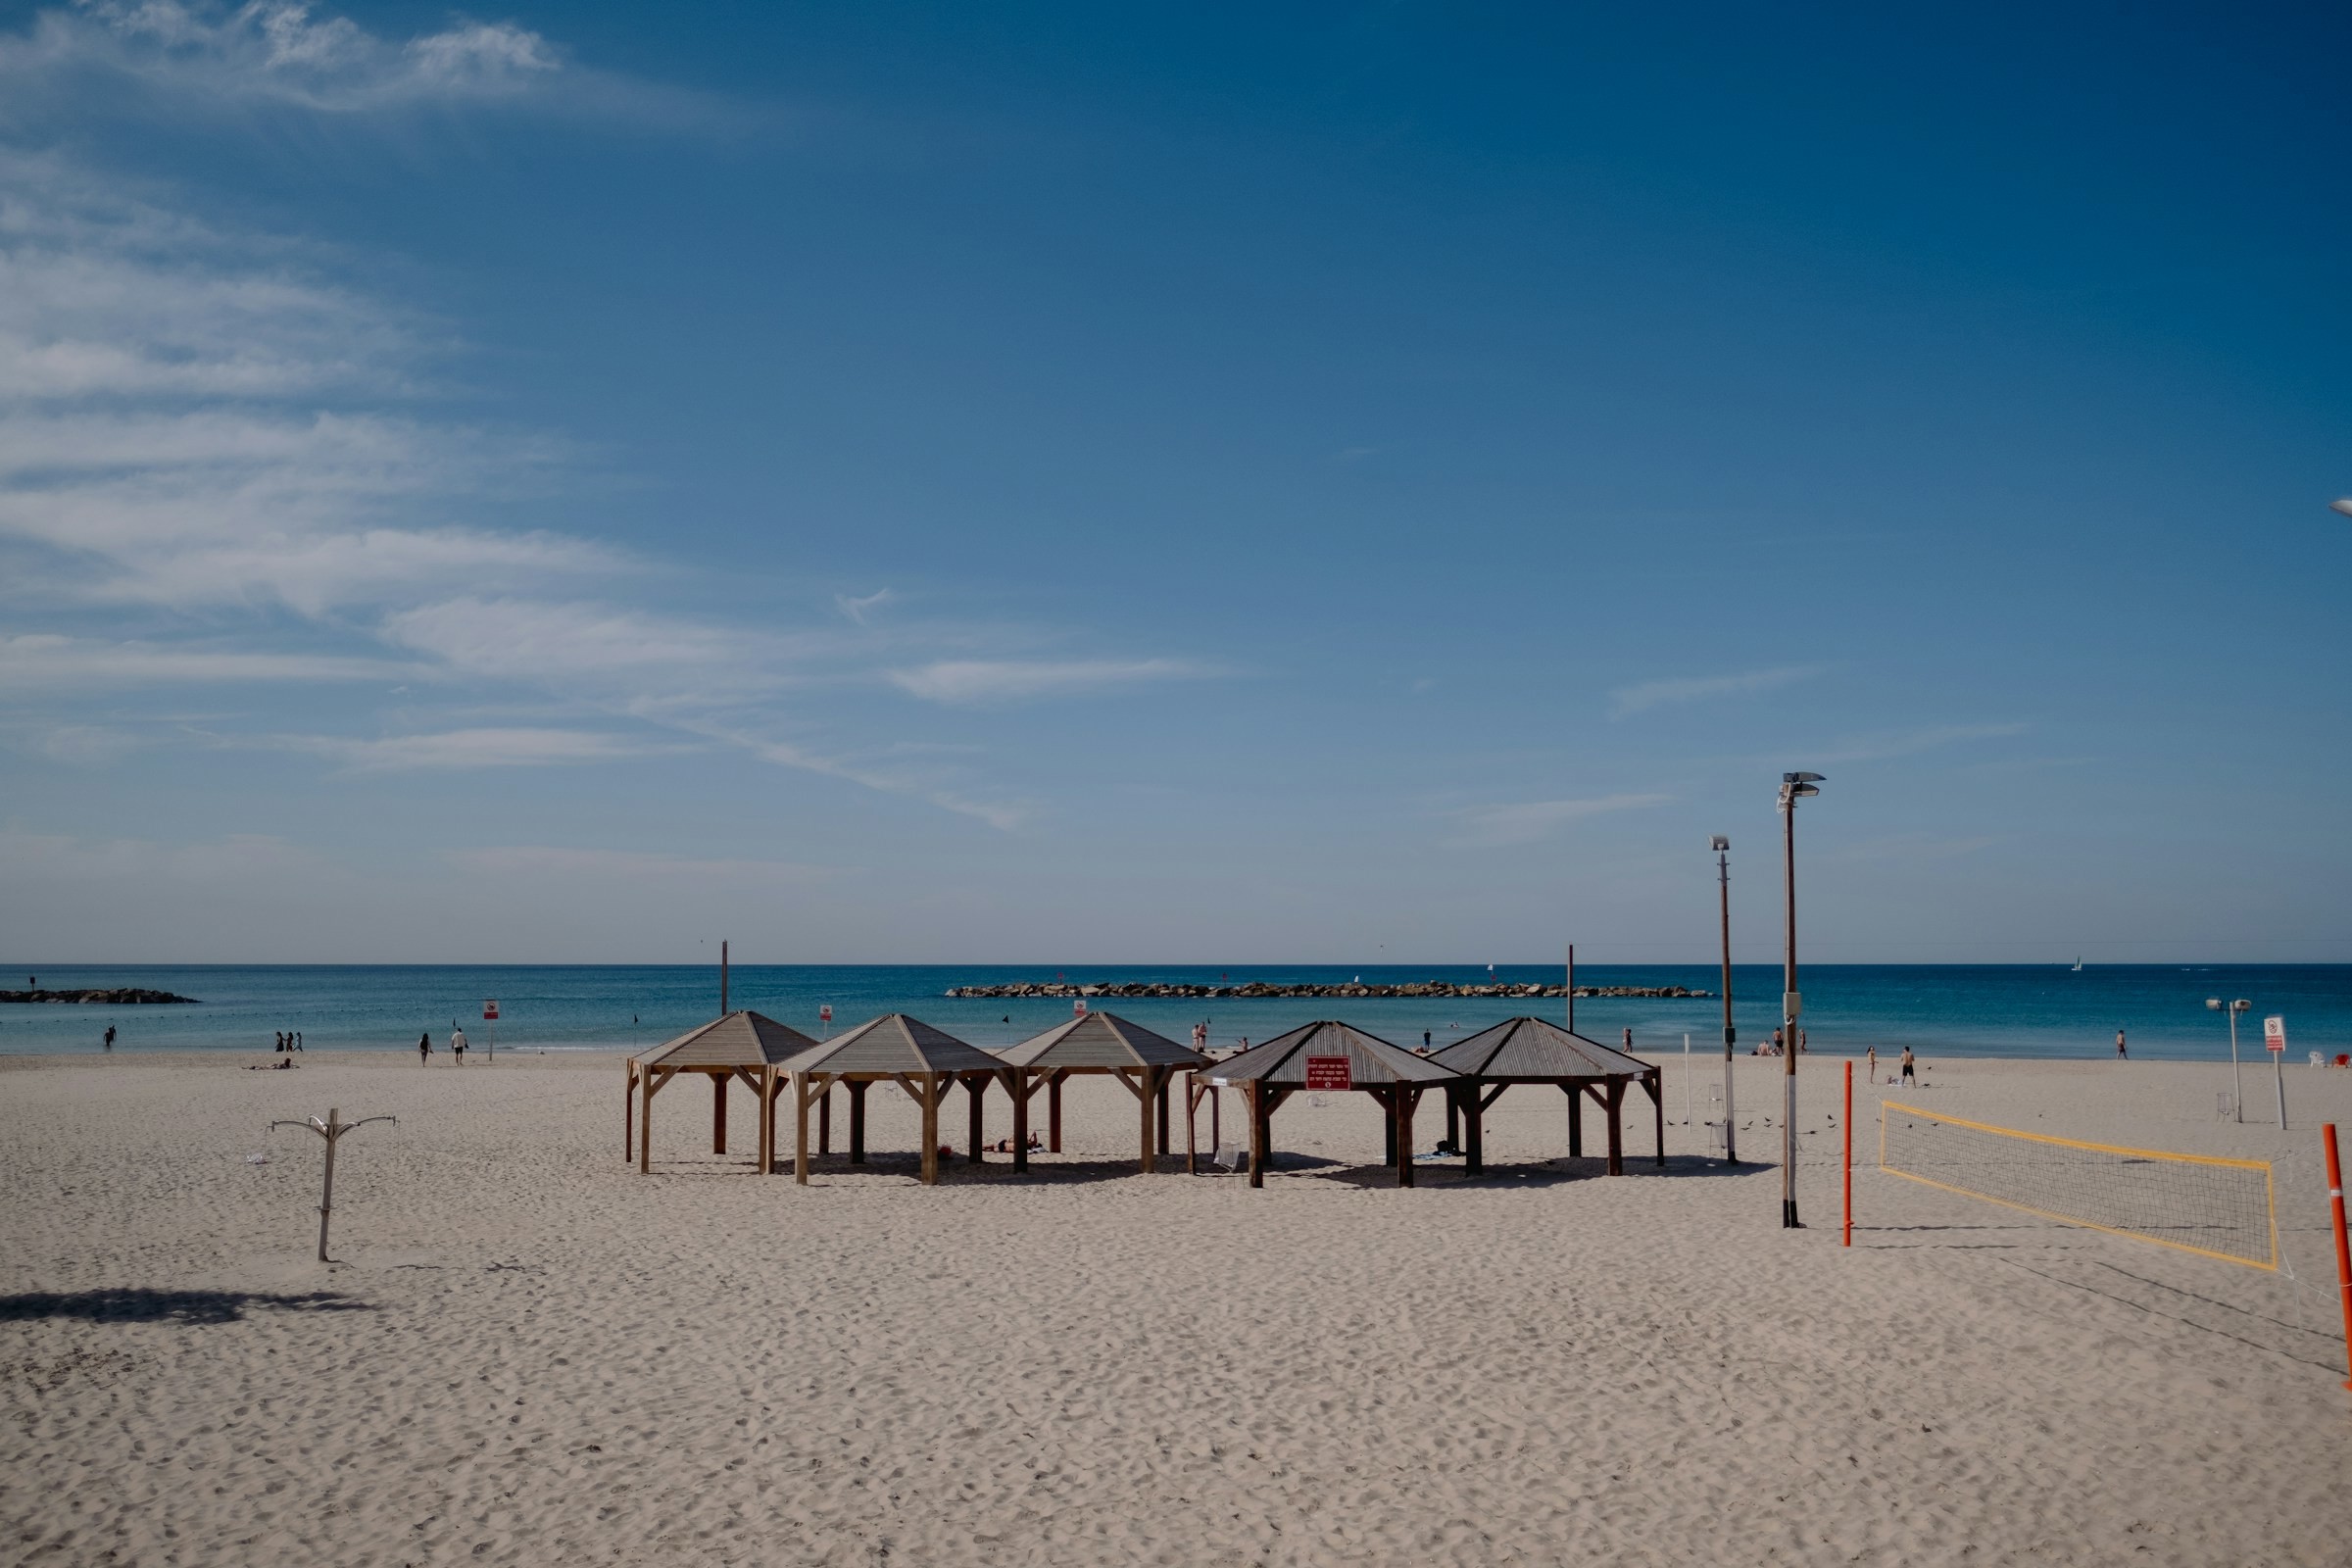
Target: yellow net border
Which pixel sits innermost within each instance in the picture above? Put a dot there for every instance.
(2269, 1181)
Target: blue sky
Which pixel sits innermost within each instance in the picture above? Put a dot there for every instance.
(893, 483)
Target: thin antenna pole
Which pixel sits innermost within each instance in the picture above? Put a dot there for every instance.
(722, 979)
(1572, 988)
(1730, 1138)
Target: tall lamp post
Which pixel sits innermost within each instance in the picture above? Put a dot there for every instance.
(1722, 883)
(2343, 506)
(2237, 1104)
(1794, 788)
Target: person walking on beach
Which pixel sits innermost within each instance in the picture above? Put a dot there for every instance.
(297, 1040)
(2121, 1054)
(1873, 1063)
(1629, 1039)
(1907, 1077)
(456, 1045)
(425, 1049)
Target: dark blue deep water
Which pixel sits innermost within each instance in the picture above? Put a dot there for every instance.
(2042, 1010)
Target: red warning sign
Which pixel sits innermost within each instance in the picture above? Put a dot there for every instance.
(1328, 1072)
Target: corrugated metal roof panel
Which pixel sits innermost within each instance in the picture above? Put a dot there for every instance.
(893, 1042)
(1536, 1048)
(1101, 1039)
(738, 1040)
(1282, 1060)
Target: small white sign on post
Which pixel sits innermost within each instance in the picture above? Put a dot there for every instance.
(1077, 1010)
(2274, 1033)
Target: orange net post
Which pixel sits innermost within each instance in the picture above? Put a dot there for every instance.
(1848, 1129)
(2335, 1216)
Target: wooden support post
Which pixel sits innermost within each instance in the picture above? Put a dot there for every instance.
(1657, 1105)
(628, 1111)
(1054, 1111)
(718, 1112)
(1163, 1076)
(1144, 1083)
(1475, 1112)
(759, 1121)
(1216, 1107)
(857, 1088)
(645, 1121)
(1407, 1101)
(1576, 1121)
(1616, 1127)
(800, 1129)
(825, 1121)
(976, 1085)
(775, 1084)
(1253, 1097)
(1192, 1139)
(1016, 1084)
(1454, 1120)
(931, 1097)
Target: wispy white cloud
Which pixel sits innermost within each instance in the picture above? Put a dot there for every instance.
(856, 609)
(44, 663)
(470, 749)
(985, 680)
(1629, 700)
(585, 643)
(1527, 821)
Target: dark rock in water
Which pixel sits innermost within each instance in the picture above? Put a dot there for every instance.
(1261, 988)
(120, 996)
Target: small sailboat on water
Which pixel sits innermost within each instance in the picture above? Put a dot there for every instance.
(2077, 969)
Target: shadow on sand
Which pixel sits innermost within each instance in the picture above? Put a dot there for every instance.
(134, 1305)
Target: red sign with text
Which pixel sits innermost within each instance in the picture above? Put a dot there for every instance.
(490, 1011)
(1328, 1072)
(2274, 1032)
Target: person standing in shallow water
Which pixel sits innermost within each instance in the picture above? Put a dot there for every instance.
(2121, 1054)
(109, 1037)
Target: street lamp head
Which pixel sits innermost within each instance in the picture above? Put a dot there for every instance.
(2241, 1005)
(2342, 504)
(1718, 843)
(2213, 1004)
(1803, 778)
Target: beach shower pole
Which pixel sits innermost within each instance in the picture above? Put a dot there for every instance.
(1794, 787)
(1722, 882)
(333, 1130)
(1685, 1080)
(1848, 1129)
(2237, 1096)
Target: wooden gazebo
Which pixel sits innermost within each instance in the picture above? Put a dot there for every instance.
(1533, 1051)
(1095, 1042)
(893, 1049)
(736, 1044)
(1330, 1056)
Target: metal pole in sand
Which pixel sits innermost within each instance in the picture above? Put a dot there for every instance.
(1685, 1080)
(1794, 786)
(1723, 877)
(1848, 1130)
(333, 1130)
(2335, 1217)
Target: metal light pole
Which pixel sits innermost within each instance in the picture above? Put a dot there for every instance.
(1794, 787)
(1723, 884)
(2237, 1098)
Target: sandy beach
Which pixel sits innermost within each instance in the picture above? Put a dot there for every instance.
(529, 1353)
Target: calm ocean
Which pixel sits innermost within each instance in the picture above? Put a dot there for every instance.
(2044, 1011)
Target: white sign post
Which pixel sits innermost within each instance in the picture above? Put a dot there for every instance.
(490, 1017)
(2273, 1038)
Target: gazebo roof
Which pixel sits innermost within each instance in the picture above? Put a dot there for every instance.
(893, 1043)
(1533, 1048)
(1371, 1061)
(1101, 1039)
(738, 1040)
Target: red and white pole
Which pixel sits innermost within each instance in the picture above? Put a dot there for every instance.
(1848, 1129)
(2335, 1218)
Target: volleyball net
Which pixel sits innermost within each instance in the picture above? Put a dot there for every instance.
(2218, 1208)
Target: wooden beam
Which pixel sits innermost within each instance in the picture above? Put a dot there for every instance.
(1576, 1121)
(1191, 1104)
(1616, 1127)
(1475, 1156)
(976, 1085)
(718, 1112)
(824, 1120)
(1160, 1099)
(1492, 1096)
(760, 1120)
(1053, 1110)
(1408, 1101)
(645, 1122)
(857, 1088)
(628, 1111)
(1130, 1077)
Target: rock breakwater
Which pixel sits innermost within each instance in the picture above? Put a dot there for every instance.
(1157, 990)
(120, 996)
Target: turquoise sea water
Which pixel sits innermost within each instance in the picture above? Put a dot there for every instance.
(2042, 1010)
